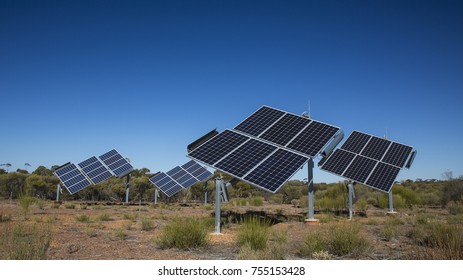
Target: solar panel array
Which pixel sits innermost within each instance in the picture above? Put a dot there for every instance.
(93, 171)
(180, 177)
(267, 148)
(369, 160)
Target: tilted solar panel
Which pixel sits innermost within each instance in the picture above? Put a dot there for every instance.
(72, 178)
(116, 163)
(95, 170)
(295, 133)
(369, 160)
(180, 177)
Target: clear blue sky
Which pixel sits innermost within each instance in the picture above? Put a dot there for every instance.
(78, 78)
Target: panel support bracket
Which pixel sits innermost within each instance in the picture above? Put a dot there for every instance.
(391, 204)
(351, 196)
(310, 215)
(127, 188)
(219, 186)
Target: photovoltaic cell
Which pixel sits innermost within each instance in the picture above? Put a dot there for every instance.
(356, 142)
(276, 170)
(72, 178)
(218, 147)
(196, 170)
(95, 170)
(285, 129)
(376, 164)
(166, 184)
(259, 121)
(397, 154)
(243, 159)
(383, 176)
(313, 138)
(116, 163)
(180, 177)
(360, 168)
(376, 148)
(338, 161)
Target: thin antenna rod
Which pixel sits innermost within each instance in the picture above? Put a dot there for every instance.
(308, 112)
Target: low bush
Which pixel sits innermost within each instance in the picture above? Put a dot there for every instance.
(104, 217)
(338, 240)
(69, 206)
(24, 241)
(146, 224)
(254, 233)
(82, 218)
(184, 233)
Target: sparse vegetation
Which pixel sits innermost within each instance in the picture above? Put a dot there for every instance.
(254, 233)
(103, 217)
(184, 233)
(69, 206)
(338, 240)
(25, 201)
(25, 241)
(82, 218)
(146, 224)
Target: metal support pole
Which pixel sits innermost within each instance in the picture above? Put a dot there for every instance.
(58, 190)
(127, 189)
(310, 214)
(156, 195)
(205, 192)
(218, 187)
(351, 194)
(391, 203)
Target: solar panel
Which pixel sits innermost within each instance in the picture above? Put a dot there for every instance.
(218, 147)
(267, 148)
(197, 170)
(116, 163)
(95, 170)
(313, 138)
(285, 129)
(369, 160)
(296, 133)
(180, 177)
(72, 178)
(276, 170)
(260, 121)
(166, 184)
(243, 159)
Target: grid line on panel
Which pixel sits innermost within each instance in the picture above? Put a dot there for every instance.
(356, 142)
(397, 154)
(383, 176)
(218, 147)
(285, 129)
(360, 168)
(245, 158)
(313, 138)
(259, 121)
(376, 148)
(276, 170)
(338, 162)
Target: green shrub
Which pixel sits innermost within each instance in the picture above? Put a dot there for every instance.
(22, 241)
(184, 233)
(55, 205)
(338, 239)
(146, 224)
(390, 231)
(257, 201)
(128, 216)
(104, 217)
(69, 206)
(25, 201)
(276, 248)
(5, 218)
(119, 233)
(445, 240)
(454, 208)
(90, 231)
(362, 204)
(40, 203)
(83, 206)
(82, 218)
(254, 233)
